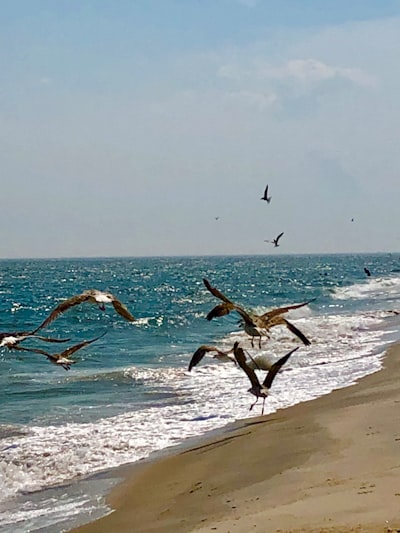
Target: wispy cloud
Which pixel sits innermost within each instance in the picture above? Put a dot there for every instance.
(303, 71)
(259, 100)
(310, 71)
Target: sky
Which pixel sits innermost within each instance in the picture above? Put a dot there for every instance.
(152, 127)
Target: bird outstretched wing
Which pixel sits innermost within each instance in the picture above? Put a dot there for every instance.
(215, 292)
(241, 360)
(62, 307)
(282, 310)
(122, 310)
(76, 347)
(275, 369)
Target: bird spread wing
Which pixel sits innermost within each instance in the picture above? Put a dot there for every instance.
(275, 369)
(278, 237)
(62, 307)
(297, 332)
(241, 360)
(76, 347)
(33, 350)
(200, 353)
(220, 310)
(226, 307)
(215, 292)
(282, 310)
(122, 310)
(49, 339)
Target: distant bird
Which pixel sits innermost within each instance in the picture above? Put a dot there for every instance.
(216, 218)
(259, 390)
(352, 220)
(11, 340)
(62, 358)
(253, 324)
(94, 296)
(275, 241)
(367, 271)
(266, 197)
(204, 349)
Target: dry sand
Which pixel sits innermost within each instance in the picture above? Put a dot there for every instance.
(326, 466)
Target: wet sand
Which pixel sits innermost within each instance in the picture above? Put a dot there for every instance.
(330, 465)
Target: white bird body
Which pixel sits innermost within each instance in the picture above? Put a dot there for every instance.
(11, 340)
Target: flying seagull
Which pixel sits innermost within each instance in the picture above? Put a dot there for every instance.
(94, 296)
(259, 390)
(204, 349)
(266, 197)
(62, 358)
(11, 340)
(253, 324)
(275, 241)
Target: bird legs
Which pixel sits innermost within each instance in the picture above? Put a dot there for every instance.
(253, 404)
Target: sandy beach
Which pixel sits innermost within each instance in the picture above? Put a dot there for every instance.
(324, 466)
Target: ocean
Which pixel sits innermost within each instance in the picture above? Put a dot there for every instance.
(130, 394)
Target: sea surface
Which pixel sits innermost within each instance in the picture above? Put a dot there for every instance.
(130, 394)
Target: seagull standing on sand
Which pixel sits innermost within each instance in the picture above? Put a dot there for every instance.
(94, 296)
(266, 197)
(62, 358)
(259, 390)
(275, 241)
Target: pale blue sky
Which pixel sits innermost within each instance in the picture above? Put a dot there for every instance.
(127, 127)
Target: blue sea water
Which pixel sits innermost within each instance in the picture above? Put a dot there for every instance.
(130, 393)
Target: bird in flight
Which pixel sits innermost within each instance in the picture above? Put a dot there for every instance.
(94, 296)
(259, 390)
(11, 340)
(204, 349)
(266, 197)
(253, 324)
(275, 241)
(63, 358)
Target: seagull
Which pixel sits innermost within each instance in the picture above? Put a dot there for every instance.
(11, 340)
(62, 358)
(94, 296)
(259, 390)
(266, 197)
(253, 324)
(275, 242)
(202, 350)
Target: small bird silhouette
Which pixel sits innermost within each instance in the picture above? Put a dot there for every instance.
(367, 271)
(266, 197)
(275, 241)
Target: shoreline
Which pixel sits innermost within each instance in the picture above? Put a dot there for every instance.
(330, 464)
